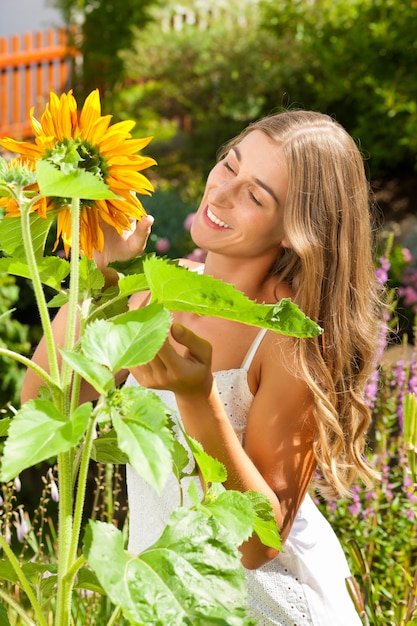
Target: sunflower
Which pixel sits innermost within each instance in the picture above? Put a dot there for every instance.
(107, 151)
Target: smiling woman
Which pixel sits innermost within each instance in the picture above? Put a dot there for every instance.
(285, 214)
(244, 196)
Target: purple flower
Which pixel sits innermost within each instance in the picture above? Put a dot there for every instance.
(197, 255)
(162, 245)
(381, 272)
(188, 221)
(409, 489)
(407, 256)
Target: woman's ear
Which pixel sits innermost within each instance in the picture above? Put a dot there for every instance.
(286, 243)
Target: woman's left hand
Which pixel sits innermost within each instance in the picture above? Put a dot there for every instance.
(186, 375)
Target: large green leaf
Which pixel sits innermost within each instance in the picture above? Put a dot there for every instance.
(38, 432)
(91, 279)
(52, 270)
(75, 184)
(95, 374)
(105, 449)
(132, 284)
(142, 434)
(191, 576)
(211, 469)
(178, 289)
(11, 234)
(265, 525)
(128, 340)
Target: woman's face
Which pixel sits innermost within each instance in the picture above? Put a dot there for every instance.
(241, 213)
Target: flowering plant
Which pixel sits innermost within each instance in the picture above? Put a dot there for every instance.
(380, 525)
(82, 170)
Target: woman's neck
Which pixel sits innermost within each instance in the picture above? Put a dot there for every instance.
(251, 276)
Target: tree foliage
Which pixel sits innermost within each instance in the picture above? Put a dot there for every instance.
(106, 28)
(213, 81)
(354, 59)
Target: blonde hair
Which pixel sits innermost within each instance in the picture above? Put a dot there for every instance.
(329, 264)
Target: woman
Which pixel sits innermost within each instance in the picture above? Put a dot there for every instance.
(285, 213)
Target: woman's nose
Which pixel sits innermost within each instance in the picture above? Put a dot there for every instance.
(222, 194)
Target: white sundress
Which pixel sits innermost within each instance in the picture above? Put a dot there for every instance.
(305, 584)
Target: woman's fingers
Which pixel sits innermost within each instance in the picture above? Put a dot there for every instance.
(197, 347)
(186, 374)
(126, 246)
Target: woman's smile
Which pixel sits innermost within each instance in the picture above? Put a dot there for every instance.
(215, 220)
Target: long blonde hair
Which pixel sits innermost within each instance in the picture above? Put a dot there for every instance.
(329, 264)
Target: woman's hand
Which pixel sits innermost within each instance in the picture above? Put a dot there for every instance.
(187, 375)
(126, 246)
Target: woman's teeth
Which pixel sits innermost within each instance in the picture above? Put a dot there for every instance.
(216, 220)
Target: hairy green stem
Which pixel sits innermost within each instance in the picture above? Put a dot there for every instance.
(30, 364)
(81, 487)
(65, 465)
(65, 520)
(24, 582)
(25, 206)
(71, 331)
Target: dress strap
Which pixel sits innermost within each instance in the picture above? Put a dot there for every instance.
(247, 361)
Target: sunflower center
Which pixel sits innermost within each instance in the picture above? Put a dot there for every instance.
(70, 155)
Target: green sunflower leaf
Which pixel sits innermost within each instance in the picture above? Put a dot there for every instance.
(143, 435)
(71, 184)
(178, 289)
(131, 339)
(52, 270)
(184, 578)
(38, 432)
(11, 234)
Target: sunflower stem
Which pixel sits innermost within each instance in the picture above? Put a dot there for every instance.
(25, 206)
(81, 487)
(65, 464)
(66, 373)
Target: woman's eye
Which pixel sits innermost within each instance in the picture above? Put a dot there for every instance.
(227, 166)
(255, 199)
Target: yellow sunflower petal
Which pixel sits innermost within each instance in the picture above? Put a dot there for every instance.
(130, 161)
(91, 234)
(64, 230)
(22, 147)
(90, 112)
(64, 119)
(11, 206)
(47, 123)
(98, 128)
(128, 180)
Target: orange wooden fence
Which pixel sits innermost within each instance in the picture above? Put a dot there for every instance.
(31, 65)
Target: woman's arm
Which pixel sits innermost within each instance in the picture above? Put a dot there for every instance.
(277, 459)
